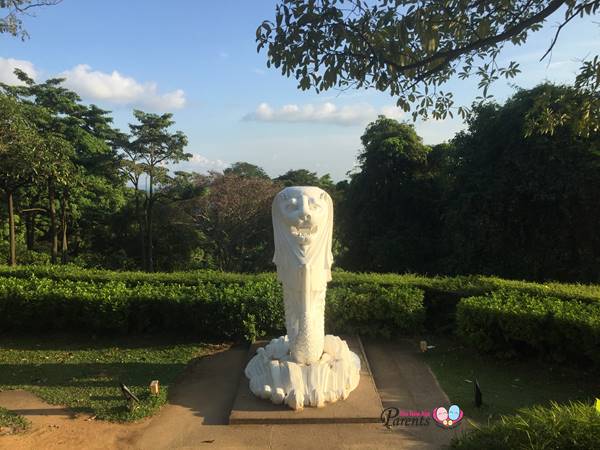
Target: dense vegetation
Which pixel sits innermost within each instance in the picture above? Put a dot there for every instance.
(498, 199)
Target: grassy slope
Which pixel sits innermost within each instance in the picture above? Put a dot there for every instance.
(84, 373)
(507, 385)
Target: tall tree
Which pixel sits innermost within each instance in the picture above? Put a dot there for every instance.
(134, 170)
(58, 172)
(386, 220)
(19, 144)
(409, 48)
(154, 146)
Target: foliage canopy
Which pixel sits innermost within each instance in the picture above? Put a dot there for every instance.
(410, 48)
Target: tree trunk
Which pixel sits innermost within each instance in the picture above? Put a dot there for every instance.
(149, 249)
(12, 252)
(63, 224)
(53, 232)
(30, 230)
(140, 220)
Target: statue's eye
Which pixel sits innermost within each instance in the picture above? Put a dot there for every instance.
(292, 204)
(314, 205)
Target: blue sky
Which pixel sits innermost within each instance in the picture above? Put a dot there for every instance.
(198, 60)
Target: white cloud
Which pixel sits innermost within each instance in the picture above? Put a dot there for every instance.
(201, 164)
(120, 89)
(8, 65)
(327, 113)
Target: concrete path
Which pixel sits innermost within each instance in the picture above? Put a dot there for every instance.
(404, 381)
(199, 405)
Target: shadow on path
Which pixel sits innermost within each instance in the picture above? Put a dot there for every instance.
(208, 386)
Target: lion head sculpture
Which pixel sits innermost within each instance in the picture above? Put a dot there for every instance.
(303, 230)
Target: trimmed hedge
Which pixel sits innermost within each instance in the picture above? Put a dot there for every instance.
(513, 321)
(372, 310)
(459, 286)
(249, 305)
(442, 294)
(208, 310)
(559, 427)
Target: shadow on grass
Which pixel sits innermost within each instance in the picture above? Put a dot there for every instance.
(84, 373)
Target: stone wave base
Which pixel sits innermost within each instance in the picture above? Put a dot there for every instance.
(273, 376)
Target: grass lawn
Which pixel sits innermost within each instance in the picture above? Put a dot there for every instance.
(507, 385)
(12, 423)
(83, 373)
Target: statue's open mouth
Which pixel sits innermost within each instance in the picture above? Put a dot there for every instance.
(303, 232)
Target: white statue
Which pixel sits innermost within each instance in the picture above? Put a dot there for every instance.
(305, 367)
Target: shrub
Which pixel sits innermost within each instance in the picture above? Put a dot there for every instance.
(372, 310)
(209, 310)
(569, 427)
(513, 321)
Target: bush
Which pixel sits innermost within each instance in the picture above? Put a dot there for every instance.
(209, 310)
(512, 321)
(372, 310)
(569, 427)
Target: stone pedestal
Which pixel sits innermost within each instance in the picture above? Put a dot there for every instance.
(362, 406)
(275, 376)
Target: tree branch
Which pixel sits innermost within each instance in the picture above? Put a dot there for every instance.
(449, 55)
(567, 20)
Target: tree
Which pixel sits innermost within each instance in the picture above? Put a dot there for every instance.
(181, 240)
(134, 171)
(235, 217)
(11, 23)
(303, 177)
(410, 48)
(526, 206)
(387, 220)
(79, 150)
(58, 172)
(19, 142)
(154, 146)
(247, 170)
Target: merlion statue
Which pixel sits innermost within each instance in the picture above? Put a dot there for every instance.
(306, 367)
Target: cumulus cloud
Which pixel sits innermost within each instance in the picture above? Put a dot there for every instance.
(120, 89)
(327, 113)
(202, 164)
(8, 65)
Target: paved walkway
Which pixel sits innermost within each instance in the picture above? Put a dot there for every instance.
(198, 409)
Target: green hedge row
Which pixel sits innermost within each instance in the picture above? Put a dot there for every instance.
(509, 320)
(442, 294)
(235, 310)
(558, 427)
(459, 286)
